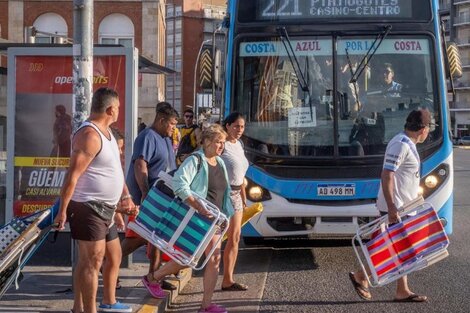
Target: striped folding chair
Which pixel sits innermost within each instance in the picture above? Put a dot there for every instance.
(390, 252)
(177, 229)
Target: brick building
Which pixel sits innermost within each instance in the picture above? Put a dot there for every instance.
(189, 23)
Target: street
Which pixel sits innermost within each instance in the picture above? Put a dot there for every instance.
(312, 276)
(287, 276)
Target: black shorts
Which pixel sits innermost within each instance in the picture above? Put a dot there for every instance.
(86, 224)
(112, 233)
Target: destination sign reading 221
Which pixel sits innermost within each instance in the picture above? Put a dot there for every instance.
(312, 9)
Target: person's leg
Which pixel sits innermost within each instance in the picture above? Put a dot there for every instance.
(211, 272)
(155, 258)
(111, 270)
(153, 284)
(130, 244)
(361, 277)
(231, 248)
(167, 269)
(403, 290)
(77, 295)
(90, 257)
(404, 293)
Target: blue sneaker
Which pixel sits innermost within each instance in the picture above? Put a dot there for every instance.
(117, 307)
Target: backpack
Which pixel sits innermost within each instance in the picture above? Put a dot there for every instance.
(185, 146)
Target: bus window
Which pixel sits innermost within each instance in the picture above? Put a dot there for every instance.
(280, 113)
(396, 79)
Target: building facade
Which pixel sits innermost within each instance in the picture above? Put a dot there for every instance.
(189, 24)
(132, 23)
(459, 11)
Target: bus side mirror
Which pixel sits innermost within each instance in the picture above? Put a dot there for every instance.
(217, 67)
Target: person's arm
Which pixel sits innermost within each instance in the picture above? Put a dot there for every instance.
(86, 144)
(243, 194)
(388, 188)
(182, 181)
(119, 221)
(127, 205)
(141, 176)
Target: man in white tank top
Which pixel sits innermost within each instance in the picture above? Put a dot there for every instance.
(92, 188)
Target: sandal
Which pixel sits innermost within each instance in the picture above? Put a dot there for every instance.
(235, 287)
(361, 290)
(412, 298)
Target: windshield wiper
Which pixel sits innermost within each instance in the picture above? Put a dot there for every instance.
(295, 65)
(355, 75)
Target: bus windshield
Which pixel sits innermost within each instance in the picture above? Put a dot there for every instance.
(342, 118)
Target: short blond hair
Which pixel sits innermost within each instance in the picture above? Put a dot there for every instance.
(212, 132)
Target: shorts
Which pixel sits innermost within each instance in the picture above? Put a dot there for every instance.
(237, 202)
(129, 232)
(86, 224)
(112, 233)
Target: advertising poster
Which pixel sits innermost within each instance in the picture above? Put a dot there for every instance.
(43, 123)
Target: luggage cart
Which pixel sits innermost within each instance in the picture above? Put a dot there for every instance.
(176, 228)
(393, 251)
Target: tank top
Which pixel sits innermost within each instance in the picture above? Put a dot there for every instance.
(216, 185)
(103, 180)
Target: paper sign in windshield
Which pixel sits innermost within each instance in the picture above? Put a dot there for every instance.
(302, 117)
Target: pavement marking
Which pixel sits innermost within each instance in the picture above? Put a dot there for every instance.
(29, 309)
(151, 306)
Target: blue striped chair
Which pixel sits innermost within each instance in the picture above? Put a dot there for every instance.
(176, 228)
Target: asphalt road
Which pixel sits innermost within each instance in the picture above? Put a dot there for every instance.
(311, 276)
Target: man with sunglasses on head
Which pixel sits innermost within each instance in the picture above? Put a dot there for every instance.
(189, 134)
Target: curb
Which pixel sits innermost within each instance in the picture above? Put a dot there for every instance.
(152, 305)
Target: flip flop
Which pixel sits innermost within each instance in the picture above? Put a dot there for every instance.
(412, 298)
(362, 291)
(235, 287)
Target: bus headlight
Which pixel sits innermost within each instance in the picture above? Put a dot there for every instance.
(434, 180)
(255, 192)
(431, 181)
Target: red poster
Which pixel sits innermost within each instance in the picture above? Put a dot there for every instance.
(43, 123)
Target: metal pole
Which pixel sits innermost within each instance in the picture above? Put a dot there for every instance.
(82, 69)
(82, 59)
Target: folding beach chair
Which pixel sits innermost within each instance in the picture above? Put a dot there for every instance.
(19, 240)
(390, 252)
(177, 229)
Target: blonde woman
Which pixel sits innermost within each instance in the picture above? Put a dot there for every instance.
(237, 165)
(210, 182)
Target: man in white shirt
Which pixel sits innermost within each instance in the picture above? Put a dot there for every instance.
(399, 184)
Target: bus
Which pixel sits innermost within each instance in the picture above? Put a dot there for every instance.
(324, 86)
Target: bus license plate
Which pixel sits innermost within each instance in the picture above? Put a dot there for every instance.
(336, 190)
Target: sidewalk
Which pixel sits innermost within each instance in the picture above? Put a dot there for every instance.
(48, 289)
